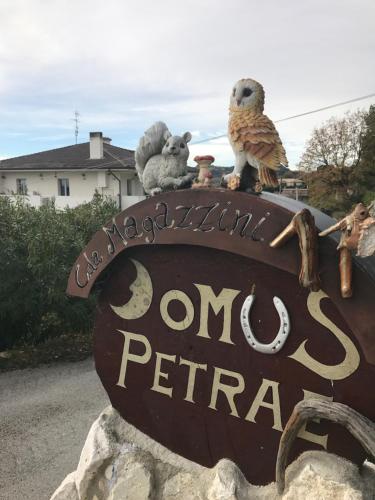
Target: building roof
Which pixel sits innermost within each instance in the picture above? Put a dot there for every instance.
(76, 157)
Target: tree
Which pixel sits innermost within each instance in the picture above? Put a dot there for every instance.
(364, 175)
(338, 161)
(337, 142)
(330, 189)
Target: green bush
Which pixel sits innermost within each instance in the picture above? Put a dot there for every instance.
(38, 247)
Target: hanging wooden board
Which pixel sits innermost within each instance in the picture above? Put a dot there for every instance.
(191, 358)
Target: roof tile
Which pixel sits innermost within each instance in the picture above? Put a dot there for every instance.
(72, 157)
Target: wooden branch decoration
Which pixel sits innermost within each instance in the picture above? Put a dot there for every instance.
(346, 270)
(359, 426)
(303, 224)
(357, 234)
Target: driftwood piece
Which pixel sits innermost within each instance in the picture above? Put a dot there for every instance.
(359, 426)
(357, 234)
(303, 224)
(351, 227)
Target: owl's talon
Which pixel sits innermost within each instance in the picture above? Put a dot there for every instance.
(258, 188)
(234, 182)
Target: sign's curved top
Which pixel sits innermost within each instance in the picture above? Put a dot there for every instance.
(236, 222)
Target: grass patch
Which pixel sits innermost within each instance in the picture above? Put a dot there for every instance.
(67, 347)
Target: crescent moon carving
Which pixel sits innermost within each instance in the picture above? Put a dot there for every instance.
(142, 292)
(280, 339)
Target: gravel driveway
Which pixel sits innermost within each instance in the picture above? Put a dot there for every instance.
(45, 415)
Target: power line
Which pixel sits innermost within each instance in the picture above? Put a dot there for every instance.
(356, 99)
(327, 107)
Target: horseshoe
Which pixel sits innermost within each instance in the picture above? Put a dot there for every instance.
(280, 339)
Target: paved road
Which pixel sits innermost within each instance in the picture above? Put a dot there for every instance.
(45, 415)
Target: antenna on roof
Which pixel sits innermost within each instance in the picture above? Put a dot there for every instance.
(76, 120)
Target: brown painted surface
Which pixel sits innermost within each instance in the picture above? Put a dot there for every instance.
(194, 430)
(221, 239)
(188, 223)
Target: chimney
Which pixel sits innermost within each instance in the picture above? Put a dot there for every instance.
(107, 140)
(96, 145)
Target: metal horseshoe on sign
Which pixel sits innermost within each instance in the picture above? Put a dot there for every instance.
(277, 344)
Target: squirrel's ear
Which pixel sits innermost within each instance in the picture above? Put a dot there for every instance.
(187, 136)
(167, 135)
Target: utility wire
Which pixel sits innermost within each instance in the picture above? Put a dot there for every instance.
(297, 116)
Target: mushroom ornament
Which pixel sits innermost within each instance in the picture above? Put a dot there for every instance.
(204, 179)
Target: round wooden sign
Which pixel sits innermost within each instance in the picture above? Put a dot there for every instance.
(204, 338)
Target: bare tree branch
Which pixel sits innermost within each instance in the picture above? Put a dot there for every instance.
(337, 142)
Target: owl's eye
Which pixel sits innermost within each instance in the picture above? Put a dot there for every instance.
(182, 145)
(234, 92)
(247, 92)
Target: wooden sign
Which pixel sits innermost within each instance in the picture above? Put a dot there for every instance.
(194, 355)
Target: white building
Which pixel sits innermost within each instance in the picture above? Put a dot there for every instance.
(71, 175)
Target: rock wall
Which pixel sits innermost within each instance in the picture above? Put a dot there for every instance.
(118, 462)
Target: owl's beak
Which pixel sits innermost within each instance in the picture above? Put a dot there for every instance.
(238, 101)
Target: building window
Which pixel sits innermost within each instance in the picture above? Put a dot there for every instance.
(129, 185)
(63, 187)
(21, 186)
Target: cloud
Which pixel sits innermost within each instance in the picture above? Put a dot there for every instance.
(124, 65)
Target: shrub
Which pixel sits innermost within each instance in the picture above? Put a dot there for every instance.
(37, 251)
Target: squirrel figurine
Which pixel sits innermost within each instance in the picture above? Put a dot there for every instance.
(161, 160)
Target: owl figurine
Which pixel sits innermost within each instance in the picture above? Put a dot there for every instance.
(254, 139)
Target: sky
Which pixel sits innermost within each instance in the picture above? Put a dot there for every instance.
(124, 64)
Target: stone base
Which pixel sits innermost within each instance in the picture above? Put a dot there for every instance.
(118, 462)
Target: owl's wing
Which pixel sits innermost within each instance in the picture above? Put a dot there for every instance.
(260, 138)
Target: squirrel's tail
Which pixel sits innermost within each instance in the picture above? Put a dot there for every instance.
(150, 144)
